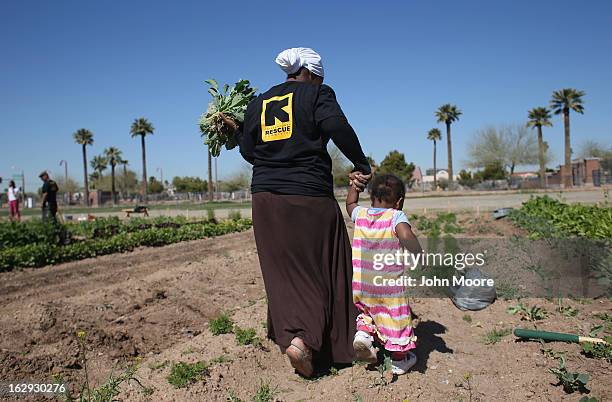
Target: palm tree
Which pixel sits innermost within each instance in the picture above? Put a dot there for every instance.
(98, 164)
(448, 114)
(540, 117)
(434, 135)
(142, 127)
(563, 101)
(113, 156)
(84, 137)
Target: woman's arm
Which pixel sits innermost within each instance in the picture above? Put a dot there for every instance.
(345, 138)
(245, 143)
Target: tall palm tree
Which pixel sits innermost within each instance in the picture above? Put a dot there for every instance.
(434, 135)
(84, 137)
(563, 101)
(448, 114)
(540, 117)
(113, 156)
(98, 164)
(141, 127)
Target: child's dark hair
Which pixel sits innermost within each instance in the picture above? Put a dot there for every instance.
(388, 188)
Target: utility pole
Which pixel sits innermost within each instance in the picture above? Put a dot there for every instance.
(161, 176)
(65, 163)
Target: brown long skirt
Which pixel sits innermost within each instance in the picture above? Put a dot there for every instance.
(305, 257)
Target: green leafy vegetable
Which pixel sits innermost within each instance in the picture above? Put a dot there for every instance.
(232, 102)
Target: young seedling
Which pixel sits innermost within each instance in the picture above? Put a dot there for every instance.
(496, 335)
(247, 337)
(385, 373)
(183, 374)
(223, 324)
(567, 311)
(467, 318)
(265, 393)
(570, 381)
(465, 383)
(533, 313)
(598, 350)
(550, 353)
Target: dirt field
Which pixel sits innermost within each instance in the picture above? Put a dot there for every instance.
(156, 303)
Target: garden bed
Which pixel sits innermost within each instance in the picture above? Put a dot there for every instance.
(35, 244)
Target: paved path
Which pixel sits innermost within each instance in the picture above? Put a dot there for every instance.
(482, 202)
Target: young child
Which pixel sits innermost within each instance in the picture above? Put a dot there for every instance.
(385, 315)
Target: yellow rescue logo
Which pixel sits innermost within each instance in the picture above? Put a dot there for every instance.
(277, 118)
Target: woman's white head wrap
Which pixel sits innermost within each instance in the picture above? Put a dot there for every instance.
(291, 60)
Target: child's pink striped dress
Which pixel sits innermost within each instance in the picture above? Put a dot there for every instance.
(384, 310)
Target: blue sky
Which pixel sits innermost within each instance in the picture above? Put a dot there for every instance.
(100, 64)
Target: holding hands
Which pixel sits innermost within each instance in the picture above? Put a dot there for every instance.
(359, 181)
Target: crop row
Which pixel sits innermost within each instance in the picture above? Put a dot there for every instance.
(545, 217)
(38, 254)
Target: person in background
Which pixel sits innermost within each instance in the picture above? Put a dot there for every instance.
(49, 197)
(13, 199)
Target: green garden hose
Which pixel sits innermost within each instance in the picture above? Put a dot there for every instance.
(554, 336)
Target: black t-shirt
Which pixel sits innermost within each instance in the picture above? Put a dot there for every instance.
(284, 136)
(50, 187)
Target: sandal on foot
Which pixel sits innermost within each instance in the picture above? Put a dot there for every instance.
(300, 357)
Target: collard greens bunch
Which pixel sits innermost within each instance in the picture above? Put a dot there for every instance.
(232, 102)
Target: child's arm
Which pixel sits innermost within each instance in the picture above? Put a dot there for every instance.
(352, 200)
(407, 238)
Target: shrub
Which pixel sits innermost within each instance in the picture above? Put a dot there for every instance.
(496, 335)
(221, 325)
(183, 374)
(247, 337)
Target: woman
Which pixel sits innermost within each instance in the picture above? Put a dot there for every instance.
(13, 198)
(301, 238)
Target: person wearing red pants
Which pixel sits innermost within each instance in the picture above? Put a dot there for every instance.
(13, 197)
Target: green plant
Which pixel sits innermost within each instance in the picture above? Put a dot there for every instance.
(107, 238)
(183, 374)
(567, 311)
(571, 381)
(247, 337)
(598, 350)
(220, 360)
(231, 397)
(466, 383)
(545, 217)
(210, 214)
(588, 399)
(110, 388)
(467, 318)
(533, 313)
(496, 335)
(385, 373)
(232, 102)
(222, 324)
(265, 393)
(235, 215)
